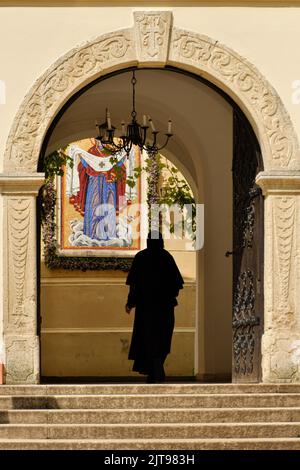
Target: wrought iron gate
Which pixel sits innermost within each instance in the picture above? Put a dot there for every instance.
(248, 246)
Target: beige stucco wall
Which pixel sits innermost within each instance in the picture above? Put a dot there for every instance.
(33, 38)
(86, 332)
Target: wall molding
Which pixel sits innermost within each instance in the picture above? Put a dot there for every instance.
(105, 330)
(78, 281)
(149, 3)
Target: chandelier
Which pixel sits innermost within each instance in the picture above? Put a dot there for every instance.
(132, 134)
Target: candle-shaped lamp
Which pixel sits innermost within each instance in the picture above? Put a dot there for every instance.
(151, 124)
(144, 121)
(108, 120)
(123, 127)
(169, 126)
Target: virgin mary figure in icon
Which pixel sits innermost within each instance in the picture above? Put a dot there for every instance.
(98, 195)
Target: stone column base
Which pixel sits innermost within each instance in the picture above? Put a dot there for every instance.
(22, 359)
(281, 356)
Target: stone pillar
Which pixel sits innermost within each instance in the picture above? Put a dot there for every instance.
(19, 259)
(281, 338)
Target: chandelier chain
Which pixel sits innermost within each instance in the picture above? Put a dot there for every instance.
(133, 81)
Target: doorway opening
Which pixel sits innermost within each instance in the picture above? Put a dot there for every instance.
(218, 330)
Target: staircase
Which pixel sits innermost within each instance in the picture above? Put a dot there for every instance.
(150, 417)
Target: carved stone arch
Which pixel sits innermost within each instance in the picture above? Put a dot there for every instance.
(153, 41)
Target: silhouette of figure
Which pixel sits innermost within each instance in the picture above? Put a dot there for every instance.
(154, 281)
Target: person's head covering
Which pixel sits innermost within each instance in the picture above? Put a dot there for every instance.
(155, 267)
(155, 240)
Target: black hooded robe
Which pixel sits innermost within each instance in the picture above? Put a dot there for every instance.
(154, 281)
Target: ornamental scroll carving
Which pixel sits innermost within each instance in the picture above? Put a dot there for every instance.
(284, 223)
(252, 88)
(149, 41)
(60, 81)
(19, 220)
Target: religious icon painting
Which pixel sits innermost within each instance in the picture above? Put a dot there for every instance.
(98, 212)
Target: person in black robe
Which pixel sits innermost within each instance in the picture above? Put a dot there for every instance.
(154, 281)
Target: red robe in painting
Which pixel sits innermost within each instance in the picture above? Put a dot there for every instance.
(86, 171)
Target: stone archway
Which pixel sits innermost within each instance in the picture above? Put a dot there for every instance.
(154, 41)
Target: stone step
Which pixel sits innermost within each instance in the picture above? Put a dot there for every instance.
(152, 444)
(126, 389)
(150, 417)
(150, 431)
(150, 401)
(171, 415)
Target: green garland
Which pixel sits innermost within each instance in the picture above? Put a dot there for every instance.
(177, 192)
(53, 166)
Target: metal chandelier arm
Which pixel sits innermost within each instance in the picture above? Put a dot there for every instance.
(153, 147)
(135, 134)
(166, 142)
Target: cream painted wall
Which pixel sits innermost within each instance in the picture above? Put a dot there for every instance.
(216, 268)
(31, 39)
(86, 332)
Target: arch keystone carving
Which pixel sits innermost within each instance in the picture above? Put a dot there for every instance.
(152, 33)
